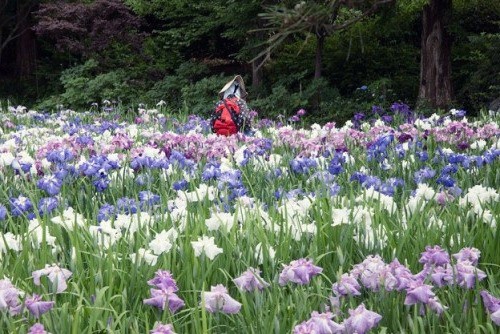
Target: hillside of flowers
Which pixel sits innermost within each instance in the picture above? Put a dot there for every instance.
(148, 223)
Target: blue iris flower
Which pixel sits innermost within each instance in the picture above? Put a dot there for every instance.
(106, 212)
(51, 184)
(20, 205)
(127, 205)
(180, 185)
(60, 156)
(3, 212)
(47, 204)
(148, 198)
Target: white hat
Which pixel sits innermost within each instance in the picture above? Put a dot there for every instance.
(236, 87)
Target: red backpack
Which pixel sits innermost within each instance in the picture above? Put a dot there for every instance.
(225, 119)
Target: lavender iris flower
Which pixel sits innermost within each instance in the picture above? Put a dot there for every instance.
(492, 306)
(468, 254)
(361, 320)
(251, 281)
(165, 292)
(56, 275)
(418, 292)
(299, 271)
(37, 329)
(37, 307)
(219, 300)
(434, 256)
(161, 297)
(9, 297)
(163, 279)
(163, 329)
(319, 323)
(306, 327)
(468, 274)
(348, 285)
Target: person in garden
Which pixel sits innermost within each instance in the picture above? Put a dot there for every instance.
(231, 114)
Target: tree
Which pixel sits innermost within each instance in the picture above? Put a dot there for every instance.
(315, 18)
(15, 26)
(435, 60)
(87, 30)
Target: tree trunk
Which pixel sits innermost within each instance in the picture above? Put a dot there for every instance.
(318, 63)
(435, 58)
(25, 44)
(256, 74)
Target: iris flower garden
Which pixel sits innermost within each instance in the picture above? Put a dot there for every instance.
(149, 223)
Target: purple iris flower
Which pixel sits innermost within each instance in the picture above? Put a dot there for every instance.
(164, 280)
(20, 205)
(47, 205)
(434, 256)
(250, 281)
(468, 254)
(37, 329)
(492, 306)
(160, 298)
(165, 294)
(9, 297)
(348, 285)
(37, 307)
(320, 323)
(299, 271)
(420, 293)
(387, 119)
(51, 184)
(163, 329)
(306, 327)
(398, 277)
(361, 320)
(3, 212)
(441, 276)
(219, 300)
(468, 274)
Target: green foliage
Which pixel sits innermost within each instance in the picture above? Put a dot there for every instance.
(200, 97)
(480, 85)
(83, 85)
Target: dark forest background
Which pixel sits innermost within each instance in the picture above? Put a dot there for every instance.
(332, 58)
